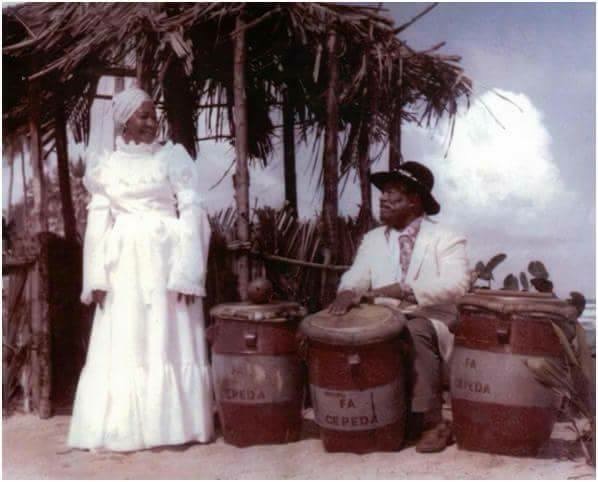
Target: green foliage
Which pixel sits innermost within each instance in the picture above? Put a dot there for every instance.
(511, 283)
(278, 236)
(484, 271)
(537, 270)
(567, 378)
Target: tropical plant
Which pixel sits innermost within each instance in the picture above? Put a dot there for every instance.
(485, 271)
(569, 379)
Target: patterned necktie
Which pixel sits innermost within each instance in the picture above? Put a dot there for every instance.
(406, 243)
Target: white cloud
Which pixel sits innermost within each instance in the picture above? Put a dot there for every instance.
(502, 187)
(499, 169)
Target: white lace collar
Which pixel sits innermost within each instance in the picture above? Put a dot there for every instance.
(140, 149)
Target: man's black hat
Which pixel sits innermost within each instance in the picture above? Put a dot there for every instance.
(412, 174)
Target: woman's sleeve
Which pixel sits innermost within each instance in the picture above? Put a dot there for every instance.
(98, 225)
(189, 266)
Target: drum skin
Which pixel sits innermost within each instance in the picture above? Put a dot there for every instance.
(498, 406)
(358, 392)
(259, 379)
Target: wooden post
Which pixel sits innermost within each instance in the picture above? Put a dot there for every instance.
(68, 211)
(40, 218)
(119, 86)
(24, 223)
(363, 159)
(330, 167)
(40, 316)
(241, 177)
(395, 157)
(288, 135)
(366, 216)
(143, 72)
(394, 140)
(11, 158)
(179, 107)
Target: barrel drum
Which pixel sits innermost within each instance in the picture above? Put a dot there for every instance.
(258, 375)
(498, 405)
(357, 378)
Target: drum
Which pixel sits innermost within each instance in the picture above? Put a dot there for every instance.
(357, 378)
(258, 375)
(498, 405)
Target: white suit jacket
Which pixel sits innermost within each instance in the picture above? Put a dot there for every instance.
(438, 274)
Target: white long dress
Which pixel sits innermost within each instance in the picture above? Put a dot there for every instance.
(146, 381)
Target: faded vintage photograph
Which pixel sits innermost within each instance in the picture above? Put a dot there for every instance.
(317, 240)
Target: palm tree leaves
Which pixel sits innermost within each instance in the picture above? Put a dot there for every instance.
(80, 38)
(566, 378)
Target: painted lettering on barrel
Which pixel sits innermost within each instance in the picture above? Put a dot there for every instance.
(360, 421)
(346, 403)
(472, 386)
(470, 363)
(357, 410)
(231, 394)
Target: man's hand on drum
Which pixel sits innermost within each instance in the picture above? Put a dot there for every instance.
(98, 297)
(189, 299)
(343, 302)
(398, 291)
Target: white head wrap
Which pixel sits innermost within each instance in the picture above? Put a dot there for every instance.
(125, 103)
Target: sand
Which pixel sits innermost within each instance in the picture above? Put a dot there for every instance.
(35, 449)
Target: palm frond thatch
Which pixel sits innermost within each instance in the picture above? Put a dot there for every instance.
(74, 43)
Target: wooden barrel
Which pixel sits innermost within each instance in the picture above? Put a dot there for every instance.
(258, 376)
(357, 378)
(498, 405)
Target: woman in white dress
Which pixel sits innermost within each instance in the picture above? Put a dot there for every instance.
(146, 381)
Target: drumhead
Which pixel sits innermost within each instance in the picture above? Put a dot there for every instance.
(513, 302)
(361, 325)
(275, 311)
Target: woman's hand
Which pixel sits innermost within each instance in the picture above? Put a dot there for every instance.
(189, 299)
(98, 297)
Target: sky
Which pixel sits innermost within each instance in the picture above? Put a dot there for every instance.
(519, 177)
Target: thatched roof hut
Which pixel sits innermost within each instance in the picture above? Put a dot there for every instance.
(68, 46)
(325, 66)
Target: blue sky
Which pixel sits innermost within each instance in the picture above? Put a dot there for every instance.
(544, 56)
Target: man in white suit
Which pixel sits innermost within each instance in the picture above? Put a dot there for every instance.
(420, 267)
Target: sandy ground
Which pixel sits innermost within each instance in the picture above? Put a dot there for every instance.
(35, 449)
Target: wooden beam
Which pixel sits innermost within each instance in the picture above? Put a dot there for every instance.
(288, 135)
(394, 141)
(40, 313)
(116, 71)
(62, 158)
(395, 157)
(363, 159)
(241, 176)
(178, 106)
(143, 72)
(40, 220)
(366, 217)
(330, 167)
(119, 86)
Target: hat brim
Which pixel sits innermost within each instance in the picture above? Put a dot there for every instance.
(380, 179)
